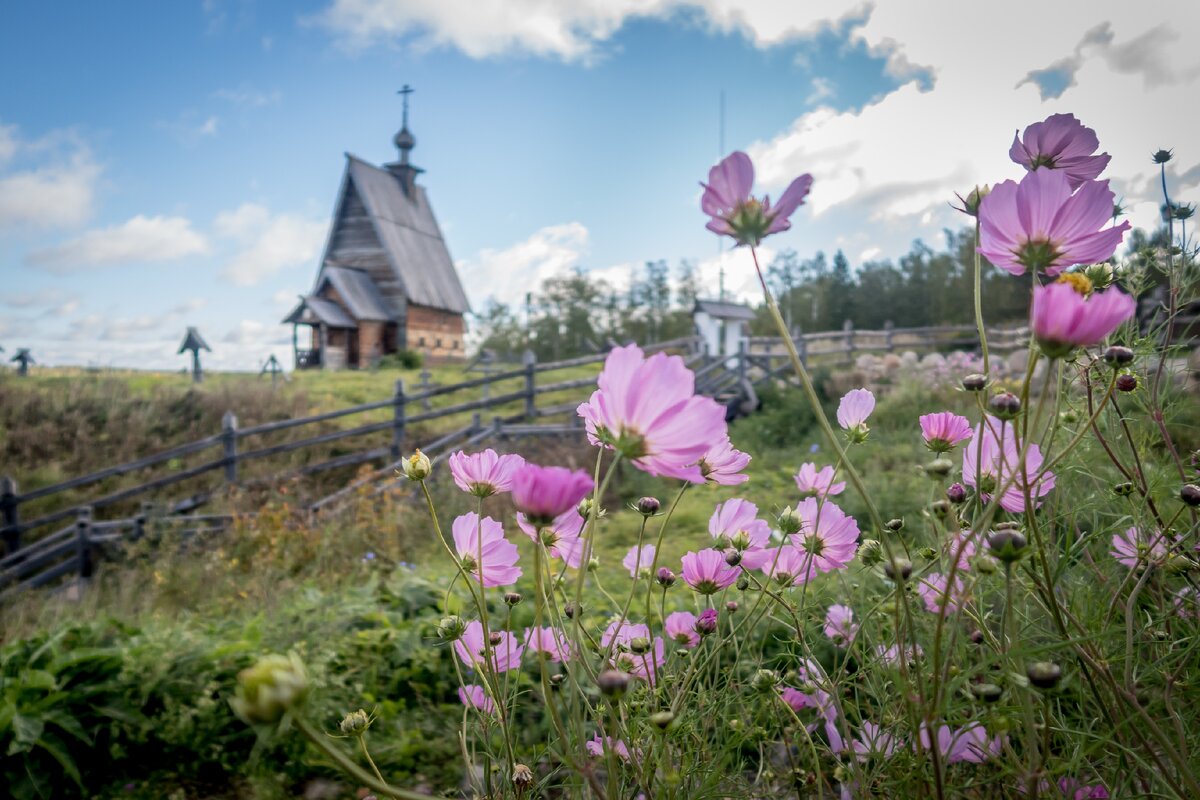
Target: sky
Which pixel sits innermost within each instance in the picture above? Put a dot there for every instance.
(174, 164)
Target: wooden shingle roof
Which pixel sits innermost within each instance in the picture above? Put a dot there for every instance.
(357, 291)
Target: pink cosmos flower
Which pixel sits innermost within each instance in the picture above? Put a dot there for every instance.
(786, 565)
(942, 431)
(722, 465)
(561, 537)
(475, 696)
(484, 552)
(681, 628)
(504, 656)
(891, 655)
(1187, 602)
(624, 632)
(1062, 318)
(960, 547)
(817, 483)
(638, 559)
(647, 409)
(1133, 549)
(597, 746)
(735, 523)
(874, 741)
(935, 593)
(1060, 142)
(551, 642)
(640, 665)
(484, 474)
(707, 572)
(820, 700)
(856, 405)
(969, 743)
(735, 213)
(840, 625)
(996, 449)
(827, 533)
(544, 493)
(1075, 789)
(1040, 225)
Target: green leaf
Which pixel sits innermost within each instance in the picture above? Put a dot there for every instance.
(26, 732)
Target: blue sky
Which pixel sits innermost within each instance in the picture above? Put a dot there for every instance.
(167, 164)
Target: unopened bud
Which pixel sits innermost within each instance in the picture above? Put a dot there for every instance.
(928, 553)
(1126, 382)
(417, 466)
(585, 508)
(731, 606)
(1007, 544)
(662, 720)
(1161, 156)
(495, 638)
(941, 507)
(570, 609)
(1190, 494)
(974, 382)
(639, 646)
(1006, 405)
(743, 583)
(707, 622)
(956, 493)
(898, 569)
(733, 557)
(270, 688)
(647, 506)
(593, 564)
(983, 564)
(789, 521)
(1101, 275)
(741, 540)
(894, 524)
(1118, 356)
(870, 552)
(1069, 417)
(765, 680)
(613, 682)
(939, 467)
(665, 577)
(355, 723)
(512, 598)
(557, 679)
(987, 692)
(1043, 674)
(451, 628)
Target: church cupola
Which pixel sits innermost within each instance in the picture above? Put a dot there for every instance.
(403, 169)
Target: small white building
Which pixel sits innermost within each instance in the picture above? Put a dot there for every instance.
(722, 325)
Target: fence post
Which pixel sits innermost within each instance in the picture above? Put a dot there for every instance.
(801, 348)
(83, 544)
(741, 367)
(229, 439)
(398, 409)
(497, 427)
(476, 423)
(887, 336)
(529, 359)
(10, 515)
(848, 334)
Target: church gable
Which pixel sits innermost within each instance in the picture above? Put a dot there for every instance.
(354, 242)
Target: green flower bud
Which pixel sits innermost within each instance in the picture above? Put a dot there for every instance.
(416, 467)
(894, 524)
(870, 552)
(987, 692)
(765, 680)
(1006, 406)
(662, 720)
(897, 568)
(270, 688)
(789, 521)
(1007, 544)
(983, 564)
(355, 723)
(928, 553)
(1043, 674)
(451, 628)
(512, 598)
(639, 646)
(612, 682)
(939, 467)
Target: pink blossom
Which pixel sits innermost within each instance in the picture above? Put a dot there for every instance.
(646, 408)
(681, 628)
(996, 449)
(623, 632)
(484, 474)
(1075, 789)
(561, 537)
(544, 493)
(722, 465)
(475, 696)
(1040, 225)
(936, 594)
(484, 552)
(969, 743)
(942, 431)
(786, 565)
(874, 741)
(638, 559)
(735, 213)
(1132, 549)
(1060, 142)
(823, 702)
(891, 655)
(840, 625)
(960, 547)
(597, 746)
(735, 523)
(856, 405)
(827, 533)
(1187, 602)
(504, 656)
(1062, 318)
(817, 483)
(551, 642)
(707, 572)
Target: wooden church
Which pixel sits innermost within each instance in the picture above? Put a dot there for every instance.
(386, 281)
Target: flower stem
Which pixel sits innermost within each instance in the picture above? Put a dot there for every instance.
(375, 784)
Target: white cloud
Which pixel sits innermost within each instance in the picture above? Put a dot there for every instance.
(140, 240)
(248, 97)
(267, 242)
(523, 266)
(49, 181)
(822, 89)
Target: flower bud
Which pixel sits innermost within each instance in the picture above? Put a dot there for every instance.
(1043, 674)
(417, 466)
(987, 692)
(970, 203)
(743, 583)
(983, 564)
(355, 723)
(1007, 545)
(956, 493)
(451, 628)
(647, 506)
(639, 646)
(928, 553)
(495, 638)
(976, 636)
(733, 557)
(870, 552)
(1195, 461)
(974, 382)
(1161, 156)
(894, 524)
(789, 521)
(898, 569)
(570, 609)
(1118, 356)
(765, 680)
(740, 541)
(613, 682)
(522, 777)
(1190, 494)
(1069, 417)
(1101, 275)
(707, 622)
(557, 679)
(1006, 405)
(939, 467)
(662, 720)
(593, 564)
(585, 508)
(665, 577)
(731, 606)
(267, 690)
(941, 507)
(512, 598)
(1126, 382)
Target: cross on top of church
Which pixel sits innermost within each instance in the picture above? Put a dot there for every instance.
(405, 92)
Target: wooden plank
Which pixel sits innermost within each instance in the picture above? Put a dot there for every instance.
(61, 535)
(121, 469)
(472, 405)
(333, 436)
(284, 424)
(562, 408)
(40, 560)
(346, 460)
(564, 385)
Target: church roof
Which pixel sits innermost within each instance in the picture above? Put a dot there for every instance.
(312, 310)
(410, 236)
(721, 309)
(357, 291)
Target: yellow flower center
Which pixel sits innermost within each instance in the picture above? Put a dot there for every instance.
(1078, 281)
